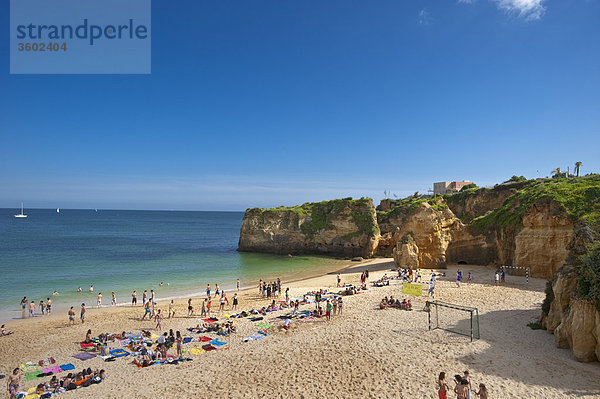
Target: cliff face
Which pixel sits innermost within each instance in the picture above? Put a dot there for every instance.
(345, 228)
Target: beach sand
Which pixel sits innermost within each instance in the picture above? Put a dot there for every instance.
(364, 353)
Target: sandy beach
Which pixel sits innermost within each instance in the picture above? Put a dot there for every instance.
(363, 353)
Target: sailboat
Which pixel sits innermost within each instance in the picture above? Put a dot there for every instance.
(57, 210)
(21, 215)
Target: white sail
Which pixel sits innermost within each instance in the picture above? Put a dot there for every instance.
(21, 215)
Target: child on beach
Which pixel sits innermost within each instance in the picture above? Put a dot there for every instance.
(238, 284)
(203, 311)
(207, 289)
(82, 314)
(147, 311)
(158, 319)
(328, 310)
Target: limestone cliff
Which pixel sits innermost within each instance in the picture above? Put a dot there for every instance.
(343, 227)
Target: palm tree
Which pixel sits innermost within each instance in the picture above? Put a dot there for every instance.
(555, 172)
(577, 166)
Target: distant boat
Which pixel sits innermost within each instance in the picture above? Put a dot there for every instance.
(21, 215)
(57, 210)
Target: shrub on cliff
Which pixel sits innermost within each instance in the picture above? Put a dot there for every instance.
(589, 282)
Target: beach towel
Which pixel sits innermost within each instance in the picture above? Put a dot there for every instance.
(67, 367)
(119, 352)
(226, 315)
(208, 347)
(263, 333)
(196, 351)
(187, 340)
(32, 375)
(205, 338)
(254, 337)
(29, 366)
(84, 356)
(263, 325)
(256, 318)
(216, 342)
(53, 370)
(210, 320)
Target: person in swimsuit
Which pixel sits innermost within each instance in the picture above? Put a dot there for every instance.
(99, 300)
(207, 289)
(88, 337)
(442, 386)
(208, 306)
(482, 393)
(222, 303)
(190, 308)
(158, 320)
(235, 301)
(179, 342)
(147, 311)
(71, 316)
(203, 311)
(92, 288)
(238, 284)
(23, 306)
(13, 382)
(134, 298)
(42, 307)
(328, 310)
(32, 309)
(113, 300)
(340, 305)
(171, 310)
(82, 314)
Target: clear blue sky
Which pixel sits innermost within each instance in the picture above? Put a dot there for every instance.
(266, 103)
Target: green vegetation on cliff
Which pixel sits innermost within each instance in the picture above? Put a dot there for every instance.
(319, 215)
(401, 208)
(579, 196)
(589, 269)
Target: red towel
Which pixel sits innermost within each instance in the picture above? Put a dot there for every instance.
(205, 339)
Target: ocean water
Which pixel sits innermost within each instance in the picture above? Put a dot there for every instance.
(125, 250)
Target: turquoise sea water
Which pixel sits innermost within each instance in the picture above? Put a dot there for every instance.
(125, 250)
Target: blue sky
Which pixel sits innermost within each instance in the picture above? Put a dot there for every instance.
(267, 103)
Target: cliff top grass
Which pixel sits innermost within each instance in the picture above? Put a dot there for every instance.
(579, 196)
(404, 206)
(320, 214)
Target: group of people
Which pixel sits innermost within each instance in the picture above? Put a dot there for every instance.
(71, 381)
(27, 307)
(462, 388)
(459, 278)
(269, 289)
(500, 277)
(395, 303)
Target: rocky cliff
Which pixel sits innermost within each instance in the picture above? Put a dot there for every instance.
(344, 227)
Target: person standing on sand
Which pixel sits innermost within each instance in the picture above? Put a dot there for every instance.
(235, 301)
(171, 310)
(158, 319)
(32, 309)
(13, 382)
(82, 314)
(217, 290)
(467, 378)
(339, 279)
(42, 307)
(222, 303)
(328, 307)
(238, 284)
(48, 305)
(442, 387)
(482, 393)
(461, 387)
(208, 306)
(99, 300)
(113, 299)
(334, 303)
(203, 311)
(340, 305)
(469, 279)
(133, 298)
(190, 308)
(23, 306)
(71, 316)
(496, 278)
(208, 290)
(179, 342)
(145, 297)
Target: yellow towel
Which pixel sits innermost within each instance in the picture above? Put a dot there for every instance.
(196, 351)
(227, 315)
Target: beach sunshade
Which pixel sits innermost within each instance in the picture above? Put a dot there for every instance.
(216, 342)
(119, 352)
(67, 367)
(84, 356)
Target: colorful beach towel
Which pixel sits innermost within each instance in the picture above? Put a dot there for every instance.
(53, 370)
(208, 347)
(84, 356)
(187, 340)
(263, 325)
(119, 352)
(216, 342)
(29, 366)
(196, 351)
(205, 339)
(67, 367)
(32, 375)
(254, 337)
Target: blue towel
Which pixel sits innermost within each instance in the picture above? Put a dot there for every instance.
(217, 342)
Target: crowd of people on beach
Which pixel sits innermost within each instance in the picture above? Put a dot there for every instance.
(71, 381)
(28, 308)
(462, 387)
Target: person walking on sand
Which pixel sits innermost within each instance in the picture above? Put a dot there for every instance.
(82, 313)
(339, 280)
(145, 297)
(442, 387)
(217, 290)
(13, 382)
(203, 311)
(238, 284)
(190, 308)
(99, 301)
(207, 289)
(71, 316)
(134, 298)
(171, 310)
(208, 306)
(147, 311)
